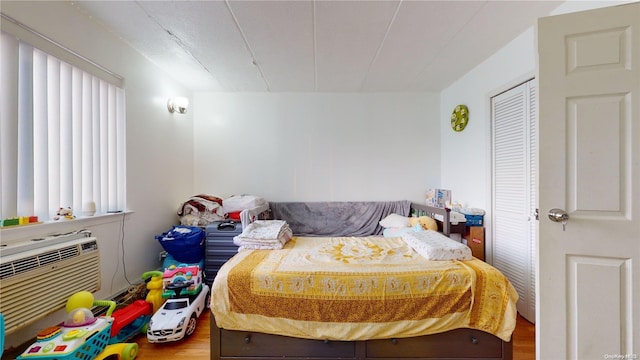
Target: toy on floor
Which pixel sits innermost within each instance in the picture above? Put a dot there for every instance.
(1, 334)
(189, 297)
(83, 336)
(155, 286)
(183, 274)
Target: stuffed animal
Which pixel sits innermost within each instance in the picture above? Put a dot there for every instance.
(426, 222)
(63, 213)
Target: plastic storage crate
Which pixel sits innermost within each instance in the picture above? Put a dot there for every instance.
(474, 220)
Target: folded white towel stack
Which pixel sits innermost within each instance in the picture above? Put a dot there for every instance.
(264, 235)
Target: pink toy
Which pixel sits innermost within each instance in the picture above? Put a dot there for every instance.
(176, 276)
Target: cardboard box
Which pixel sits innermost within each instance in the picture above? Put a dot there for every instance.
(438, 197)
(474, 239)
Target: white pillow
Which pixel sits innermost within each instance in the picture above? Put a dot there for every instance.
(395, 221)
(433, 245)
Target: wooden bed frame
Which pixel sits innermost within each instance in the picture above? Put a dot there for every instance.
(459, 344)
(444, 226)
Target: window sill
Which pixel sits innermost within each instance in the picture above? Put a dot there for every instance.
(22, 232)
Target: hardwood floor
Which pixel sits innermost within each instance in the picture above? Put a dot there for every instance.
(197, 346)
(524, 340)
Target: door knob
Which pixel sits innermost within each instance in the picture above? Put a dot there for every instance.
(558, 215)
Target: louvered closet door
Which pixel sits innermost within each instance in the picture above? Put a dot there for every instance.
(514, 191)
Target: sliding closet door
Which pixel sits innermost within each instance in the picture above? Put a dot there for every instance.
(514, 191)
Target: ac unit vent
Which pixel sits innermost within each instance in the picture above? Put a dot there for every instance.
(6, 270)
(34, 262)
(24, 265)
(69, 252)
(53, 272)
(48, 258)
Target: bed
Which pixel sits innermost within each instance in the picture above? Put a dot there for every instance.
(469, 316)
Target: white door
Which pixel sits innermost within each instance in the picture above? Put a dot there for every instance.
(514, 191)
(589, 128)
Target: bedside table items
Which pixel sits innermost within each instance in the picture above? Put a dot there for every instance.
(438, 197)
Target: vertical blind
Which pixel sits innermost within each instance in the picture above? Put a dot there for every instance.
(514, 191)
(533, 201)
(62, 135)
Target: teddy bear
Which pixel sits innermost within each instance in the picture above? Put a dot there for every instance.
(63, 213)
(426, 222)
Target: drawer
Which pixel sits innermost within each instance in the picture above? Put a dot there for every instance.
(245, 344)
(456, 343)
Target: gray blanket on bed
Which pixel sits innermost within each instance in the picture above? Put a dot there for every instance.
(337, 218)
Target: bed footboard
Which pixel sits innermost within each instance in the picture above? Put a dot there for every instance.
(460, 344)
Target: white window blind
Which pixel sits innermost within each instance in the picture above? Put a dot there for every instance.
(62, 135)
(532, 205)
(514, 191)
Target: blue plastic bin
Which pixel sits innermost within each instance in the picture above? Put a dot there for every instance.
(474, 220)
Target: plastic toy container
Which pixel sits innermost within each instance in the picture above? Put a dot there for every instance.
(184, 243)
(89, 348)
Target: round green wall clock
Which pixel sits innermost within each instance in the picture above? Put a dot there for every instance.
(459, 118)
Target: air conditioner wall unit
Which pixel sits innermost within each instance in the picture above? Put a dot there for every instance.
(38, 281)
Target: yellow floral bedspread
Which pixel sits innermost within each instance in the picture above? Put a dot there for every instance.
(359, 289)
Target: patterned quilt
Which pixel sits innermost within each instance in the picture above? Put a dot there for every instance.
(358, 289)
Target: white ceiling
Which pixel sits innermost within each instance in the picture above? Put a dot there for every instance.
(325, 46)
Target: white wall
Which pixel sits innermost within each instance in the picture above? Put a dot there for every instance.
(466, 156)
(317, 146)
(159, 150)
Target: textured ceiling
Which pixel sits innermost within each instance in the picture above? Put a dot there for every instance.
(325, 46)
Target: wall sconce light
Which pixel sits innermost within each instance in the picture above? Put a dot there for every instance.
(178, 104)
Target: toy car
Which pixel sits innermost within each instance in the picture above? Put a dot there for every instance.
(177, 318)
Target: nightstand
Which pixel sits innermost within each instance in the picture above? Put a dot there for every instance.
(474, 238)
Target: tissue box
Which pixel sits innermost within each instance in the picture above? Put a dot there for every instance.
(438, 197)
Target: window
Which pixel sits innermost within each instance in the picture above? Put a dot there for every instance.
(62, 135)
